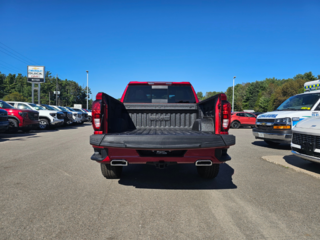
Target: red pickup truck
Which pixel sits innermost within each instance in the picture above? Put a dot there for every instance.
(20, 119)
(160, 123)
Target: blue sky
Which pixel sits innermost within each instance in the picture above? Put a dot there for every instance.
(204, 42)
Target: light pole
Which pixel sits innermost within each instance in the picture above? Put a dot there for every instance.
(87, 87)
(233, 95)
(57, 90)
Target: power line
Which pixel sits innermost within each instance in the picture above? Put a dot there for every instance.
(11, 66)
(23, 61)
(19, 53)
(5, 67)
(15, 55)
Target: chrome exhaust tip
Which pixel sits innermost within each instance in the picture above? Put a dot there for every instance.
(203, 163)
(119, 163)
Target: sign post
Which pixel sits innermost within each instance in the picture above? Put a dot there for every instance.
(36, 74)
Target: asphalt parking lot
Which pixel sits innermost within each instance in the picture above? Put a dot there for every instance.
(50, 189)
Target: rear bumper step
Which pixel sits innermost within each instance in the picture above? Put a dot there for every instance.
(184, 141)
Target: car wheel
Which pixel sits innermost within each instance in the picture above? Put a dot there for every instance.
(13, 126)
(89, 119)
(43, 123)
(272, 144)
(111, 172)
(208, 172)
(235, 124)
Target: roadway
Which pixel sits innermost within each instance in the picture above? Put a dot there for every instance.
(50, 189)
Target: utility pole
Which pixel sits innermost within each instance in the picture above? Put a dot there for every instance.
(57, 90)
(87, 87)
(233, 95)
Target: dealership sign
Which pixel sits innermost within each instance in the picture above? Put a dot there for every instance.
(36, 74)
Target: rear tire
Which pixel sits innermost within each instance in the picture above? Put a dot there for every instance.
(272, 144)
(235, 124)
(13, 126)
(111, 172)
(209, 172)
(89, 119)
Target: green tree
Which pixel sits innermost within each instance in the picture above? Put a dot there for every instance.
(200, 95)
(15, 96)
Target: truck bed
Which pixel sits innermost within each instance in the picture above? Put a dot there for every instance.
(161, 126)
(150, 138)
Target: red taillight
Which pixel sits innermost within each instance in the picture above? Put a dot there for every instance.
(226, 115)
(96, 115)
(223, 97)
(99, 96)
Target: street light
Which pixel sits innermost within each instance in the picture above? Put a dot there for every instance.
(87, 87)
(233, 95)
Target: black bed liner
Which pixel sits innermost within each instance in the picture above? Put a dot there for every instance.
(163, 139)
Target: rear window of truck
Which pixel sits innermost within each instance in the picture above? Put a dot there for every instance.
(159, 94)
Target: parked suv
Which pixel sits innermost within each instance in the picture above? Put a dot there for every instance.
(67, 115)
(84, 114)
(46, 117)
(239, 119)
(22, 119)
(76, 115)
(4, 123)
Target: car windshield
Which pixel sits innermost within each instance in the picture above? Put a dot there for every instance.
(159, 94)
(77, 110)
(48, 107)
(36, 107)
(63, 109)
(302, 102)
(70, 109)
(5, 105)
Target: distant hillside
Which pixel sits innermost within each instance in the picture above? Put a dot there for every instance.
(265, 95)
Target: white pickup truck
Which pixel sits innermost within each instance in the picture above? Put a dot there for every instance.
(306, 139)
(46, 117)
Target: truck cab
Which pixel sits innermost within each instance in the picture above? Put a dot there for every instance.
(276, 127)
(160, 124)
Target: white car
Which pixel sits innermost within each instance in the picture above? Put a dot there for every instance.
(306, 139)
(46, 117)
